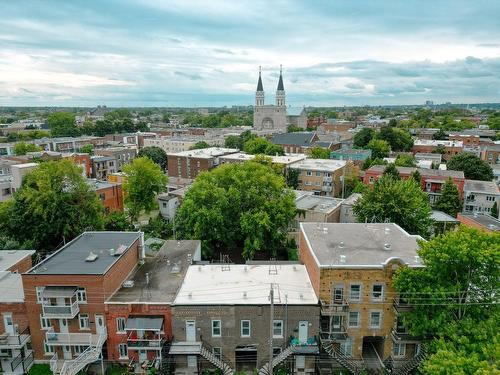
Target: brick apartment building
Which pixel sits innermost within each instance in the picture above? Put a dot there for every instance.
(188, 164)
(450, 148)
(432, 180)
(321, 176)
(16, 357)
(102, 166)
(109, 193)
(65, 296)
(491, 154)
(351, 268)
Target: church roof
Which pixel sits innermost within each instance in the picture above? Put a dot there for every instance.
(260, 87)
(280, 82)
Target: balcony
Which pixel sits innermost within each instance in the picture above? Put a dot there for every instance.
(401, 305)
(71, 339)
(61, 311)
(144, 344)
(335, 307)
(19, 364)
(327, 179)
(60, 302)
(400, 335)
(327, 188)
(14, 341)
(144, 333)
(339, 335)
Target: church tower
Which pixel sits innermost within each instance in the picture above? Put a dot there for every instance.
(280, 91)
(259, 94)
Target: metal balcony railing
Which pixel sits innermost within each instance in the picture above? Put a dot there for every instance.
(17, 339)
(61, 311)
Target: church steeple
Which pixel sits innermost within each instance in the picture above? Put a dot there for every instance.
(259, 94)
(280, 91)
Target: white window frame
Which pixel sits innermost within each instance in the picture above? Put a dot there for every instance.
(81, 295)
(48, 349)
(351, 299)
(214, 328)
(39, 291)
(309, 173)
(45, 323)
(215, 350)
(399, 349)
(249, 328)
(346, 347)
(86, 320)
(381, 297)
(379, 319)
(357, 320)
(118, 320)
(120, 346)
(278, 324)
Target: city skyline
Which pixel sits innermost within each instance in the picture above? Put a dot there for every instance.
(164, 53)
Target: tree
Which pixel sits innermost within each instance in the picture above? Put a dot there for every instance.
(22, 148)
(262, 146)
(319, 153)
(440, 149)
(392, 172)
(199, 145)
(238, 206)
(449, 201)
(233, 141)
(62, 124)
(156, 154)
(440, 135)
(369, 162)
(363, 137)
(87, 149)
(400, 201)
(55, 202)
(379, 147)
(144, 181)
(494, 210)
(472, 166)
(393, 122)
(293, 129)
(292, 178)
(416, 176)
(405, 161)
(117, 221)
(398, 139)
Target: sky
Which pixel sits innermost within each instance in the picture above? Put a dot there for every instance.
(207, 53)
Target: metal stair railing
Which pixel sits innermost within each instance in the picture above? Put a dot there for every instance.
(344, 360)
(412, 363)
(88, 356)
(222, 363)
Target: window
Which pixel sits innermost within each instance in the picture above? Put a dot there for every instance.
(78, 349)
(276, 350)
(309, 173)
(318, 173)
(399, 350)
(377, 292)
(45, 323)
(371, 179)
(490, 198)
(216, 328)
(83, 320)
(81, 295)
(102, 196)
(346, 348)
(120, 324)
(39, 291)
(49, 349)
(245, 328)
(353, 319)
(355, 293)
(338, 293)
(277, 328)
(375, 319)
(122, 350)
(217, 353)
(336, 323)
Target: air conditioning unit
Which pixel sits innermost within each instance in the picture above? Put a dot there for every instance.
(128, 284)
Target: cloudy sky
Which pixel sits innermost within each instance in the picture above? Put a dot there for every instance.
(207, 53)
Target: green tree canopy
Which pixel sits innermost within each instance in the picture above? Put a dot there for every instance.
(199, 145)
(405, 161)
(392, 172)
(399, 201)
(244, 206)
(62, 124)
(87, 149)
(144, 181)
(22, 148)
(55, 202)
(472, 166)
(156, 154)
(319, 153)
(398, 139)
(235, 141)
(262, 146)
(449, 201)
(494, 210)
(379, 147)
(363, 137)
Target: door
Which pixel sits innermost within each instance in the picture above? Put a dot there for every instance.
(143, 356)
(99, 324)
(190, 330)
(63, 325)
(300, 362)
(303, 326)
(67, 352)
(8, 324)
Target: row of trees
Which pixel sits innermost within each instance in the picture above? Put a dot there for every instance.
(252, 144)
(221, 119)
(382, 142)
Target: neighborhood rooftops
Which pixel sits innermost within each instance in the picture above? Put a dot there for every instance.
(328, 165)
(11, 286)
(304, 139)
(91, 253)
(423, 171)
(359, 245)
(246, 285)
(8, 258)
(485, 187)
(317, 203)
(206, 153)
(277, 159)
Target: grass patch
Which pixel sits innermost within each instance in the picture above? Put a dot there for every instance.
(40, 369)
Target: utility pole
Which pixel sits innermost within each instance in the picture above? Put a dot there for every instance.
(271, 330)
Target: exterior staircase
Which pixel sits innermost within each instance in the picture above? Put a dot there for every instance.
(411, 364)
(287, 352)
(88, 356)
(334, 352)
(222, 363)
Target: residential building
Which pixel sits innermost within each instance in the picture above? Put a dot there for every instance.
(139, 314)
(285, 160)
(109, 193)
(117, 177)
(170, 202)
(357, 156)
(435, 159)
(322, 176)
(222, 315)
(83, 160)
(491, 154)
(481, 221)
(102, 166)
(188, 164)
(351, 266)
(69, 144)
(19, 171)
(5, 188)
(442, 222)
(449, 148)
(424, 133)
(480, 196)
(347, 208)
(122, 155)
(334, 125)
(66, 295)
(295, 143)
(16, 356)
(5, 165)
(6, 149)
(432, 180)
(496, 174)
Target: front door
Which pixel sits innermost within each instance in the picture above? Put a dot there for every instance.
(190, 330)
(8, 324)
(99, 323)
(191, 361)
(303, 325)
(67, 352)
(63, 325)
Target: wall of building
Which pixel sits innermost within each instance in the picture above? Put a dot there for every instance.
(111, 198)
(22, 266)
(19, 315)
(188, 167)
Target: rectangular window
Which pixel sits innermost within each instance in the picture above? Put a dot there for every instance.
(309, 173)
(346, 348)
(245, 328)
(120, 325)
(377, 292)
(277, 328)
(375, 319)
(83, 320)
(81, 295)
(338, 293)
(39, 291)
(122, 350)
(217, 353)
(318, 173)
(49, 349)
(399, 350)
(355, 293)
(216, 328)
(353, 319)
(45, 323)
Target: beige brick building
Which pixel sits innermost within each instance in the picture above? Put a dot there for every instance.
(321, 176)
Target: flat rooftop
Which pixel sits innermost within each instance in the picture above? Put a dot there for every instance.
(10, 257)
(317, 203)
(165, 269)
(285, 159)
(11, 285)
(423, 171)
(71, 258)
(432, 142)
(359, 245)
(485, 187)
(443, 217)
(98, 185)
(486, 221)
(328, 165)
(246, 285)
(206, 153)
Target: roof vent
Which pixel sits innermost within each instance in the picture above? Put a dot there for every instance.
(387, 230)
(190, 295)
(341, 244)
(245, 295)
(111, 252)
(128, 284)
(387, 246)
(120, 250)
(301, 296)
(342, 259)
(92, 257)
(325, 229)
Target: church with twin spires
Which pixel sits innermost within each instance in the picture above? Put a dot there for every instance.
(270, 117)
